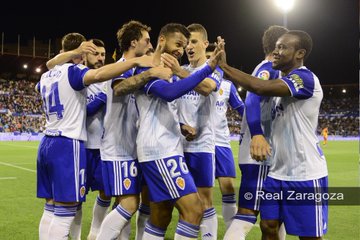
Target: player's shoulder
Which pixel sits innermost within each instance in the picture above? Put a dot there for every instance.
(302, 73)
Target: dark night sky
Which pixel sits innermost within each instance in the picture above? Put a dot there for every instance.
(333, 25)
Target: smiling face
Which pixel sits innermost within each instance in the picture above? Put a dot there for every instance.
(196, 48)
(286, 56)
(175, 44)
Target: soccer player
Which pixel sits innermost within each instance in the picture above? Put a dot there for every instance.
(122, 175)
(159, 144)
(324, 133)
(61, 162)
(225, 165)
(256, 124)
(196, 109)
(297, 162)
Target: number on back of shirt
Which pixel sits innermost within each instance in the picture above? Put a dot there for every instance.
(52, 104)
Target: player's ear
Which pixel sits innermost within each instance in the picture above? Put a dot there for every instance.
(300, 54)
(206, 43)
(133, 43)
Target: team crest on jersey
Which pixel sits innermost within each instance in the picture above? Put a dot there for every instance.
(264, 75)
(221, 91)
(127, 183)
(297, 81)
(82, 191)
(180, 182)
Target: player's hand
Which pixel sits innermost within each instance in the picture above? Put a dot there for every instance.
(221, 46)
(144, 61)
(217, 55)
(171, 62)
(86, 47)
(188, 132)
(161, 72)
(259, 148)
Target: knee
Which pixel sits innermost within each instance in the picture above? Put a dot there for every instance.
(194, 213)
(269, 226)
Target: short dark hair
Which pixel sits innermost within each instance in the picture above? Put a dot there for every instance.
(173, 28)
(211, 47)
(72, 41)
(196, 27)
(97, 42)
(304, 41)
(130, 31)
(270, 37)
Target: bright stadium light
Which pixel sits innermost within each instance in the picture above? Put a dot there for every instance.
(25, 66)
(285, 6)
(239, 89)
(38, 70)
(344, 90)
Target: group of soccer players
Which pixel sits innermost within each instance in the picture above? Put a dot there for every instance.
(148, 126)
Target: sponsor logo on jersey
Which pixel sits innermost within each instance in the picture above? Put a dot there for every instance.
(221, 91)
(127, 183)
(297, 82)
(180, 182)
(53, 133)
(264, 75)
(82, 191)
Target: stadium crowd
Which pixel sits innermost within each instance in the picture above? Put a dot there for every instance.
(21, 111)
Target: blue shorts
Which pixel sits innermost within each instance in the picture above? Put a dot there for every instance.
(298, 204)
(225, 166)
(121, 177)
(94, 179)
(202, 168)
(252, 178)
(61, 169)
(168, 178)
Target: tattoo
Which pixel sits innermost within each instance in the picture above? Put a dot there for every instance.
(131, 84)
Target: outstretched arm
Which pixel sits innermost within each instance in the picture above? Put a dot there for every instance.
(61, 58)
(264, 88)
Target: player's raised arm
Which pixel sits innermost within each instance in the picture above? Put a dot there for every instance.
(115, 69)
(276, 87)
(133, 83)
(64, 57)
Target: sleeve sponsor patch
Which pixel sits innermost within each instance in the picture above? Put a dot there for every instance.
(297, 81)
(264, 75)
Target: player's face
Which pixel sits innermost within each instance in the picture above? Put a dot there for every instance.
(285, 53)
(96, 60)
(175, 44)
(143, 44)
(196, 47)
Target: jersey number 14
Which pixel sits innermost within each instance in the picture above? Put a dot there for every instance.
(52, 104)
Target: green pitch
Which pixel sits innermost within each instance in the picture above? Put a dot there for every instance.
(20, 210)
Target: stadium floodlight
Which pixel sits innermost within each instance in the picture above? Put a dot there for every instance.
(285, 6)
(344, 90)
(25, 66)
(38, 70)
(239, 89)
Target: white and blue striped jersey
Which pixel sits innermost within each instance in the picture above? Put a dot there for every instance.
(159, 129)
(196, 111)
(64, 101)
(120, 130)
(227, 95)
(265, 72)
(94, 123)
(296, 154)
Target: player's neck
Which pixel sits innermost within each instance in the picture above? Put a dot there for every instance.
(129, 54)
(286, 72)
(269, 57)
(198, 62)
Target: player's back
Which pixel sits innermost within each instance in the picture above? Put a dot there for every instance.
(264, 71)
(65, 108)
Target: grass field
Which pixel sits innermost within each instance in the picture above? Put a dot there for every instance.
(20, 210)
